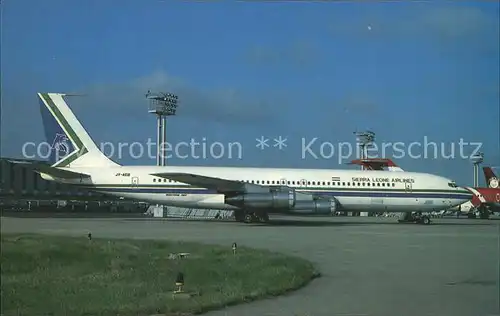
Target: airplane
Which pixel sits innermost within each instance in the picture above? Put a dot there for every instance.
(252, 193)
(487, 197)
(485, 200)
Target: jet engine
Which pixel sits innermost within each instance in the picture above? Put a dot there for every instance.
(286, 200)
(276, 200)
(320, 206)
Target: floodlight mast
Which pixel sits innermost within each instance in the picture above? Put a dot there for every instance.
(162, 105)
(364, 139)
(477, 159)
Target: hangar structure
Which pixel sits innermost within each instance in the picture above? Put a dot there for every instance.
(23, 188)
(21, 182)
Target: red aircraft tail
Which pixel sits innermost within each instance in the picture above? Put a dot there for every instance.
(376, 164)
(491, 178)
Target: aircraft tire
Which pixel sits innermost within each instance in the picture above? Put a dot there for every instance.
(256, 218)
(425, 220)
(249, 218)
(264, 218)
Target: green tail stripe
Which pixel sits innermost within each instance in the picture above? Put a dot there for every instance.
(80, 148)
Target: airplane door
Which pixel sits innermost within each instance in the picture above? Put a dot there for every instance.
(408, 187)
(135, 181)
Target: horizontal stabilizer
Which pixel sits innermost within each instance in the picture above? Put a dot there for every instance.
(51, 171)
(221, 185)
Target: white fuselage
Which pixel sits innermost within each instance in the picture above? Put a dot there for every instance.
(378, 191)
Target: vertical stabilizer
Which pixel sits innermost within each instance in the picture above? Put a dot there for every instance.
(491, 179)
(391, 166)
(394, 168)
(70, 144)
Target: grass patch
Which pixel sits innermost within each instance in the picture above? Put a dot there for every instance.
(54, 275)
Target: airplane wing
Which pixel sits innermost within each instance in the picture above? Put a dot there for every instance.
(51, 171)
(218, 184)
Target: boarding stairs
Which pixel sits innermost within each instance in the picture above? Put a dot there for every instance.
(187, 213)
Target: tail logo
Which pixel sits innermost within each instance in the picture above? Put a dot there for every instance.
(60, 144)
(494, 183)
(67, 138)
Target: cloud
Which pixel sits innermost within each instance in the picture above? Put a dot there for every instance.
(465, 27)
(222, 105)
(455, 23)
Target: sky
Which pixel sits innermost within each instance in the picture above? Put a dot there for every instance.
(411, 72)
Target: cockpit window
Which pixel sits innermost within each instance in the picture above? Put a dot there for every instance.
(452, 184)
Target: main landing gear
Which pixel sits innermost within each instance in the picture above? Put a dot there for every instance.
(251, 216)
(416, 217)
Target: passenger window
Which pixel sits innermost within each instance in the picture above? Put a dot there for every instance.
(343, 183)
(359, 184)
(328, 183)
(154, 179)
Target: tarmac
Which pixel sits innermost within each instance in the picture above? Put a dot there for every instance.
(369, 266)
